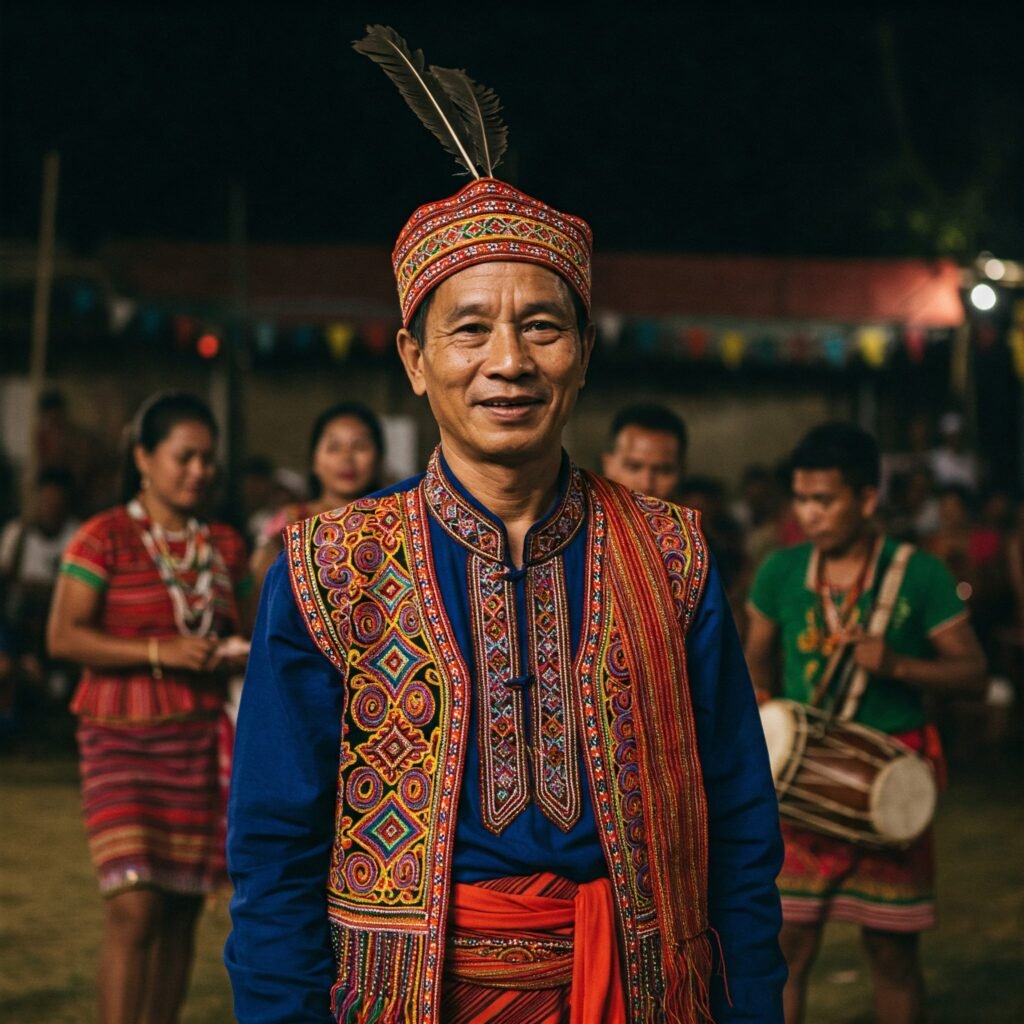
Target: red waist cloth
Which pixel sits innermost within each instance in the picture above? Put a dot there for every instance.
(523, 935)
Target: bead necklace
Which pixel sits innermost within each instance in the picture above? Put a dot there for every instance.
(192, 603)
(837, 618)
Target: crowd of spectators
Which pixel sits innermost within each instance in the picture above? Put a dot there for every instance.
(934, 494)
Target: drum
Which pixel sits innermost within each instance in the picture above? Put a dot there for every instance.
(846, 780)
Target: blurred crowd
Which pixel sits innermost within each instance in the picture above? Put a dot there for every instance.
(934, 493)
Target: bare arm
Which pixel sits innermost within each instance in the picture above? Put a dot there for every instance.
(958, 665)
(262, 559)
(760, 651)
(73, 634)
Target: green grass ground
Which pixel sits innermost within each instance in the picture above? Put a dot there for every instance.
(50, 920)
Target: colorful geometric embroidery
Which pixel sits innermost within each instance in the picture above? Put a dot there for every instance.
(453, 715)
(618, 707)
(467, 525)
(365, 582)
(677, 534)
(555, 747)
(599, 753)
(395, 748)
(504, 775)
(363, 578)
(674, 949)
(356, 589)
(457, 516)
(487, 220)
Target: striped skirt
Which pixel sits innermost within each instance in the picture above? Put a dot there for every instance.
(153, 806)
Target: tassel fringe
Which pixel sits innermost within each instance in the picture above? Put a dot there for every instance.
(379, 976)
(687, 998)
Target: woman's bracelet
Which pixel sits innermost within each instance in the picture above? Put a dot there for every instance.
(154, 658)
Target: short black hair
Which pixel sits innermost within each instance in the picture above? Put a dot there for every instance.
(842, 446)
(56, 476)
(418, 324)
(710, 486)
(648, 416)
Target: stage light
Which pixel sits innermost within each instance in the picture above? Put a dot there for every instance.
(983, 297)
(994, 269)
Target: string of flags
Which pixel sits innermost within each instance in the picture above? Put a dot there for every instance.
(735, 345)
(732, 345)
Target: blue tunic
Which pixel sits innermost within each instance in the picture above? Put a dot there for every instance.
(284, 787)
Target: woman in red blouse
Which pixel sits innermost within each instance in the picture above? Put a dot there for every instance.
(147, 601)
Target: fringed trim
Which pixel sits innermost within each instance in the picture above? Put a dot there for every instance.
(687, 998)
(380, 976)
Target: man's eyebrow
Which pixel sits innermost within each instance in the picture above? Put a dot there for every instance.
(467, 309)
(552, 307)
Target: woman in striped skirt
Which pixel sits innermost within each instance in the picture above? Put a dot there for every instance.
(148, 602)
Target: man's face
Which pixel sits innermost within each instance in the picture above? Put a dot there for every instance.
(829, 510)
(501, 362)
(644, 460)
(51, 507)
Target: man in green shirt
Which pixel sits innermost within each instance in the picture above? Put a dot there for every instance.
(805, 602)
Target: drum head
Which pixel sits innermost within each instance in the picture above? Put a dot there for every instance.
(779, 724)
(903, 799)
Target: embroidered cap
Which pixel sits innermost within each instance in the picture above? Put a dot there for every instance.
(488, 221)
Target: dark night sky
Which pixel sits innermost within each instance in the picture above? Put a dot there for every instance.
(748, 129)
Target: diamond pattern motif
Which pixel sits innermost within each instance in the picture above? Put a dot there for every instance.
(394, 660)
(396, 747)
(390, 587)
(389, 831)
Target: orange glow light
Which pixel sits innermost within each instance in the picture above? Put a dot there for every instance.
(208, 346)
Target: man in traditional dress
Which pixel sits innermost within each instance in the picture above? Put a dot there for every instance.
(647, 451)
(814, 601)
(498, 755)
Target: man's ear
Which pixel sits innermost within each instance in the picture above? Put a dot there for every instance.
(869, 497)
(411, 354)
(587, 346)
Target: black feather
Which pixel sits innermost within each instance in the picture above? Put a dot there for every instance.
(421, 90)
(480, 108)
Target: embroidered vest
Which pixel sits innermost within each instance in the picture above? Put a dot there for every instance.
(364, 581)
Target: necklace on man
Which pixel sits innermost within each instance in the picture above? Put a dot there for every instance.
(838, 617)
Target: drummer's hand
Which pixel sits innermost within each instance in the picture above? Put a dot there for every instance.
(870, 652)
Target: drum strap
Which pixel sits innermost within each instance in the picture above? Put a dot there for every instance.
(878, 623)
(838, 657)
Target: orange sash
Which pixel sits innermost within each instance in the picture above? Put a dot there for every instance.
(539, 932)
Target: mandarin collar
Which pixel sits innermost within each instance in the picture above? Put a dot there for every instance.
(475, 527)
